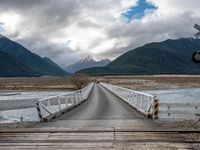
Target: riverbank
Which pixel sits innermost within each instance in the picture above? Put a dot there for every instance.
(36, 83)
(136, 82)
(152, 82)
(179, 124)
(16, 125)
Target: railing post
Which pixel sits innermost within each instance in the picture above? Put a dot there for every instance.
(155, 108)
(66, 101)
(77, 97)
(72, 99)
(128, 96)
(137, 97)
(39, 111)
(59, 107)
(131, 95)
(149, 102)
(142, 101)
(81, 96)
(48, 103)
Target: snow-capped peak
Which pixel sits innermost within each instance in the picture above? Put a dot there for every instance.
(95, 58)
(87, 62)
(90, 58)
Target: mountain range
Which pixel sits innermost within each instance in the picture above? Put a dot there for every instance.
(167, 57)
(87, 62)
(17, 61)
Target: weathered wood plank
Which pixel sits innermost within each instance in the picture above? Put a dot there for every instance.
(157, 145)
(116, 138)
(59, 145)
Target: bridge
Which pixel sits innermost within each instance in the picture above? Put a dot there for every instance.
(99, 116)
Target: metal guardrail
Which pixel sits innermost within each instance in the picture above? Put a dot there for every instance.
(145, 103)
(51, 107)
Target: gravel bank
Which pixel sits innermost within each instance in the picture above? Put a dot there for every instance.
(16, 125)
(183, 124)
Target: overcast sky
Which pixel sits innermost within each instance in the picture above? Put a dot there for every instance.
(65, 30)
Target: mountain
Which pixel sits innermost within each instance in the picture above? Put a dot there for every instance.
(51, 62)
(10, 66)
(87, 62)
(36, 64)
(167, 57)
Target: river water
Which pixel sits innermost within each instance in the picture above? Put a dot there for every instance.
(11, 102)
(177, 95)
(15, 105)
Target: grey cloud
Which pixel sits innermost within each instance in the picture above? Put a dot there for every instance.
(44, 20)
(138, 33)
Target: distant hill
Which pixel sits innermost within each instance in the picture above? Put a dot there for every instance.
(33, 62)
(167, 57)
(12, 67)
(51, 62)
(87, 62)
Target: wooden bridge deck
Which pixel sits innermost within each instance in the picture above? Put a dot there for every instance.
(99, 138)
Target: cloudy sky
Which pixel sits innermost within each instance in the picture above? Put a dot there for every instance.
(66, 30)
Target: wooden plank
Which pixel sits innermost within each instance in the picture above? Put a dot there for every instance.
(128, 136)
(157, 145)
(58, 145)
(57, 130)
(59, 136)
(93, 130)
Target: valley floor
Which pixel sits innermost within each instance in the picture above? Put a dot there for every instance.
(133, 82)
(35, 83)
(151, 82)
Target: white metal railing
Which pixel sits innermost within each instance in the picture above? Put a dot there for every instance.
(51, 106)
(141, 101)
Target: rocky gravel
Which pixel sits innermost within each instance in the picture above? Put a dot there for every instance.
(16, 125)
(182, 124)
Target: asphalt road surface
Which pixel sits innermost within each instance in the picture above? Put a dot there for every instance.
(101, 109)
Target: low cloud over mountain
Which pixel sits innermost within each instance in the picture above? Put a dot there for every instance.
(64, 30)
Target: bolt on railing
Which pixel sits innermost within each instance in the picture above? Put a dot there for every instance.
(55, 105)
(144, 103)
